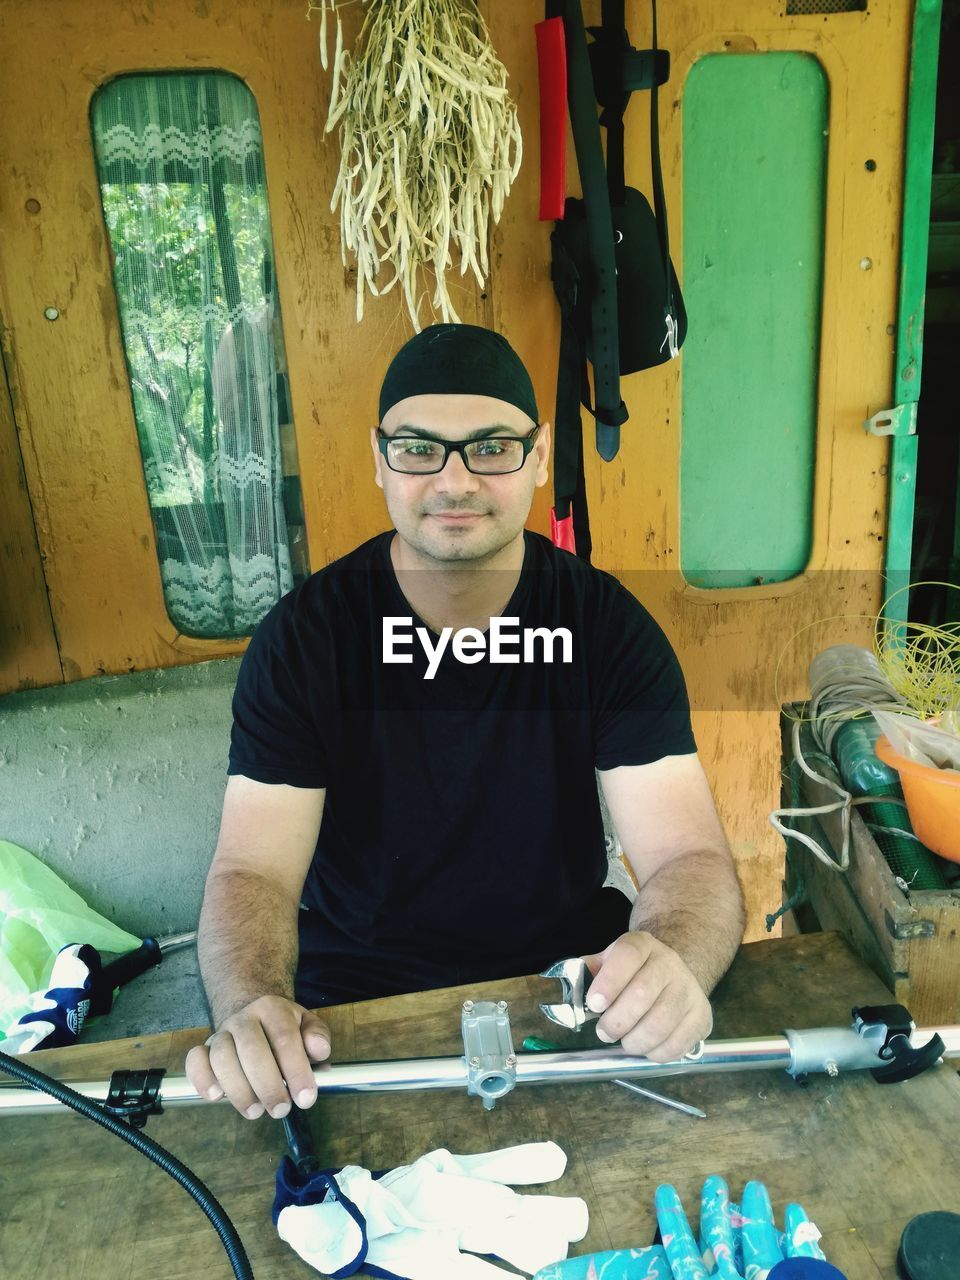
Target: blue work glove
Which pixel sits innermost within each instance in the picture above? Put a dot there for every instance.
(57, 1016)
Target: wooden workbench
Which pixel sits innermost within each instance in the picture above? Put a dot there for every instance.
(77, 1204)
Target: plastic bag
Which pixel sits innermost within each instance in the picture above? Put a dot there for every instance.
(918, 740)
(39, 914)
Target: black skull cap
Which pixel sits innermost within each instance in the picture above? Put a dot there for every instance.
(458, 359)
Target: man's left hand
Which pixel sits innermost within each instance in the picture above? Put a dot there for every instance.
(649, 999)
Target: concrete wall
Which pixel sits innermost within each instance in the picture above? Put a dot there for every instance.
(117, 782)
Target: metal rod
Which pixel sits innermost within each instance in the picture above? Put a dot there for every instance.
(755, 1054)
(660, 1097)
(175, 941)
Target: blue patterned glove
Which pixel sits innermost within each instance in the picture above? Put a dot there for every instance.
(615, 1264)
(735, 1244)
(738, 1243)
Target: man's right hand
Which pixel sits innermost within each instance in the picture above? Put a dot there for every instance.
(256, 1049)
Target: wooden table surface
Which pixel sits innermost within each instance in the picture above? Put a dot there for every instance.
(77, 1204)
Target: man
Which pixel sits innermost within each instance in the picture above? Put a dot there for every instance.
(440, 698)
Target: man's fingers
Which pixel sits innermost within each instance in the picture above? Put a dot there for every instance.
(316, 1038)
(200, 1073)
(618, 966)
(260, 1058)
(295, 1043)
(694, 1028)
(676, 1021)
(637, 1003)
(259, 1047)
(225, 1062)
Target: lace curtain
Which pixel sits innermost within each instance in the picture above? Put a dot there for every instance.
(181, 173)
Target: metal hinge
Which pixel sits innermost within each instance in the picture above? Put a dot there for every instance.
(899, 421)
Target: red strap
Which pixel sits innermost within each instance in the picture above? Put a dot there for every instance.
(561, 531)
(552, 67)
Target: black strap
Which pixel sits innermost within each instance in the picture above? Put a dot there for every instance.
(618, 69)
(610, 411)
(659, 202)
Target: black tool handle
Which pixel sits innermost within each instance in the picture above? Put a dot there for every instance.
(120, 971)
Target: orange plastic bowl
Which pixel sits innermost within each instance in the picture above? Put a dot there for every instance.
(933, 800)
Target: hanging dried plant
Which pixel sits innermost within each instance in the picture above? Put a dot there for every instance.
(430, 143)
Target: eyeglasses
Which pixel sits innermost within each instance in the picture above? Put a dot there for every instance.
(426, 455)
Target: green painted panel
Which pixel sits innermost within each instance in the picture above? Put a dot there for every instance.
(754, 173)
(918, 166)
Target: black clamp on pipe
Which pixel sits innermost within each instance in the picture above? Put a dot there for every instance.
(134, 1095)
(904, 1060)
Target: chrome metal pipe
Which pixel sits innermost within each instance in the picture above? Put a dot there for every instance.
(402, 1075)
(755, 1054)
(761, 1054)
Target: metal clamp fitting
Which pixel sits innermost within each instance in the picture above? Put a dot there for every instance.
(134, 1095)
(488, 1050)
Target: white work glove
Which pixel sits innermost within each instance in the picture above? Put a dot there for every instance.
(415, 1220)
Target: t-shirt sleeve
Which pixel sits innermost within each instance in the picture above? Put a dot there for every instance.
(275, 736)
(642, 708)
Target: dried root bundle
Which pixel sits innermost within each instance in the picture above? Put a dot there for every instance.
(430, 143)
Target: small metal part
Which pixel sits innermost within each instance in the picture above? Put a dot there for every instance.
(488, 1050)
(659, 1097)
(831, 1069)
(51, 313)
(901, 420)
(176, 942)
(571, 1012)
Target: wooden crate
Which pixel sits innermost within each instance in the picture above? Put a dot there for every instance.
(911, 939)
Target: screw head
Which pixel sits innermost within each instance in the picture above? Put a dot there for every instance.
(475, 1064)
(831, 1069)
(468, 1006)
(511, 1060)
(502, 1006)
(51, 313)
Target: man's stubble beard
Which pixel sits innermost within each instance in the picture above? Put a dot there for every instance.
(455, 548)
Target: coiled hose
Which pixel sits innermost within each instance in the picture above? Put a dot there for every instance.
(845, 684)
(146, 1146)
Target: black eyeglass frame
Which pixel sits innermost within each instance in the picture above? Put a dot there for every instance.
(458, 446)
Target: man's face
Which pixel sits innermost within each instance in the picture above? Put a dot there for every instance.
(456, 515)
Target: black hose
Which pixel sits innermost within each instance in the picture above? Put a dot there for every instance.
(146, 1146)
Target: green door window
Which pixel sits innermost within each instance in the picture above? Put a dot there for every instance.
(754, 173)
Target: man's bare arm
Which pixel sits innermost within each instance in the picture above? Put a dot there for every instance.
(688, 920)
(247, 947)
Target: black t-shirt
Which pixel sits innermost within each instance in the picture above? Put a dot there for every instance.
(461, 836)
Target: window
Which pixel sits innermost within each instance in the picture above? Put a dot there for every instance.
(181, 172)
(754, 192)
